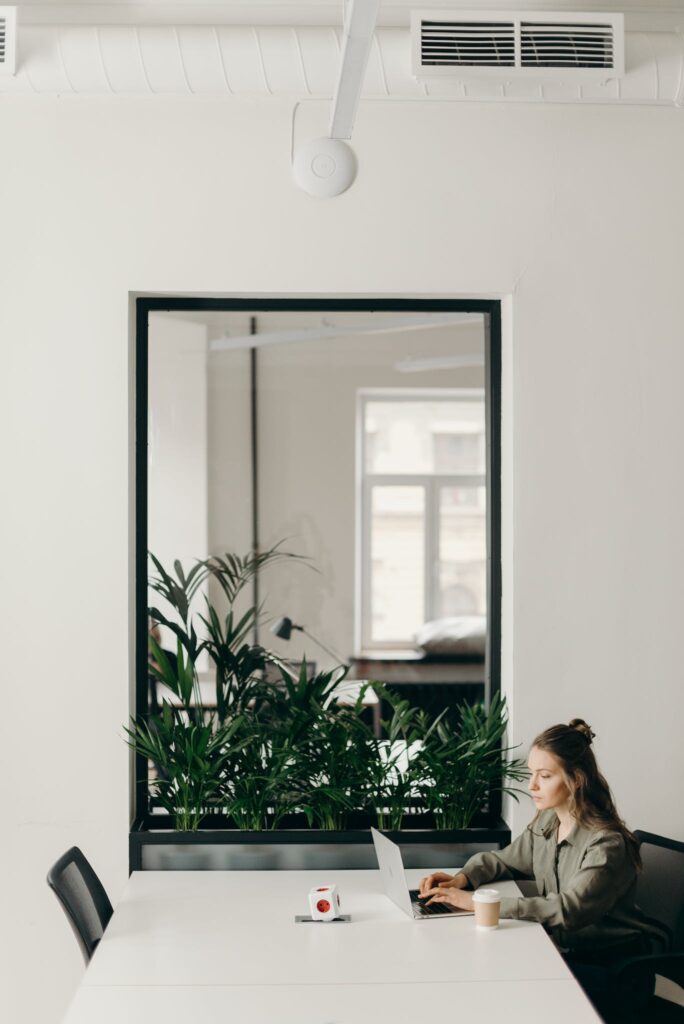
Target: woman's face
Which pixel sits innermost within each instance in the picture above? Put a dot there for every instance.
(547, 784)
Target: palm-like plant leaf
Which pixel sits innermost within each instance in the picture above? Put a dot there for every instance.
(292, 745)
(458, 770)
(192, 760)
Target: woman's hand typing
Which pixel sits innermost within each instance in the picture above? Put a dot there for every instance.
(440, 880)
(451, 896)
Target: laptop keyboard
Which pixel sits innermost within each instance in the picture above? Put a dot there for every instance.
(424, 910)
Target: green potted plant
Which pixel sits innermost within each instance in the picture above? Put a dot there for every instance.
(277, 757)
(193, 761)
(456, 771)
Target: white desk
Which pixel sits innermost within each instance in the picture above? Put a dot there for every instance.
(503, 1002)
(194, 944)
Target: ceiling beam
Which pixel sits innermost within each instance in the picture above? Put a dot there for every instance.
(359, 26)
(640, 15)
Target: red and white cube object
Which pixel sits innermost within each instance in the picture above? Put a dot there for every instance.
(324, 903)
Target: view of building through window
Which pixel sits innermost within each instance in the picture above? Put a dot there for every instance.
(424, 546)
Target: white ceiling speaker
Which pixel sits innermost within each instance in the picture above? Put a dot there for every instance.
(326, 167)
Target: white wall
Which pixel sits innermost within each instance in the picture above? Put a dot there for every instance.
(575, 213)
(307, 407)
(177, 482)
(230, 456)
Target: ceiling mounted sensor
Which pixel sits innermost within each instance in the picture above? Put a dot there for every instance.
(8, 40)
(468, 44)
(326, 167)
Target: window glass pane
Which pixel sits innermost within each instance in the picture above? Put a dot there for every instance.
(458, 453)
(462, 551)
(397, 532)
(431, 436)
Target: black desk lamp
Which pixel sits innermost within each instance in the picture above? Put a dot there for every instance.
(283, 629)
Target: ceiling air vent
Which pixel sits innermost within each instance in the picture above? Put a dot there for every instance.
(8, 40)
(467, 44)
(464, 44)
(566, 46)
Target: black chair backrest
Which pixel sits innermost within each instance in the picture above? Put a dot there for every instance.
(660, 886)
(83, 897)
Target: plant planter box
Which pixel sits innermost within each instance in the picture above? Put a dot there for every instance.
(155, 845)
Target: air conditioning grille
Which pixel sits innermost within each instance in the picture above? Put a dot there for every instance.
(8, 39)
(467, 44)
(566, 46)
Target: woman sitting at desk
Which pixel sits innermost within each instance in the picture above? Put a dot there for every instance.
(582, 856)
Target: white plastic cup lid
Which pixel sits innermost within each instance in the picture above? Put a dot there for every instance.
(487, 896)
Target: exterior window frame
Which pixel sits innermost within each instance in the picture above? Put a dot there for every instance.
(431, 483)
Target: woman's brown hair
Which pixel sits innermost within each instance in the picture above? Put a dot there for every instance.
(591, 801)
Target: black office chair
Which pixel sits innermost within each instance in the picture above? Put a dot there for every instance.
(83, 897)
(660, 894)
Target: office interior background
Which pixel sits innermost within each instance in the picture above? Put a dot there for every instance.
(572, 213)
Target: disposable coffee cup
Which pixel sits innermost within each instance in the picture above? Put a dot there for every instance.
(487, 903)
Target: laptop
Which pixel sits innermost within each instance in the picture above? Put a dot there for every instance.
(396, 887)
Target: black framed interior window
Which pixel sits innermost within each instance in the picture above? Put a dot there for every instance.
(461, 458)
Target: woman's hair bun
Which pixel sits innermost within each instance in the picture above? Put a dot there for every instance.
(581, 726)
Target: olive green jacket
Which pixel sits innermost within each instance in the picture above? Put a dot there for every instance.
(586, 883)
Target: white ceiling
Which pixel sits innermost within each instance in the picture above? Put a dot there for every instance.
(640, 14)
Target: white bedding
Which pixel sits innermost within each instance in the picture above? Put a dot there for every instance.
(462, 635)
